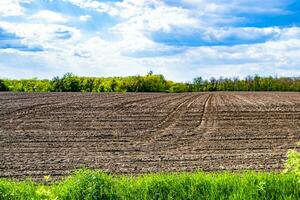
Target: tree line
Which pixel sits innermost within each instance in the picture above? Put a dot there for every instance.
(149, 83)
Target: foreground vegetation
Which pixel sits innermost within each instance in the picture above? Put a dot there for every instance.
(87, 184)
(149, 83)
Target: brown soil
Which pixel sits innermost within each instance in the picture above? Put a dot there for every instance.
(55, 133)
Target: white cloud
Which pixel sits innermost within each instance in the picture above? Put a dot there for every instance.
(242, 33)
(91, 4)
(12, 7)
(84, 18)
(147, 15)
(99, 57)
(55, 37)
(237, 6)
(49, 16)
(139, 18)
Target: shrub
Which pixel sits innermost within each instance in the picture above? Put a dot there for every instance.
(293, 162)
(3, 87)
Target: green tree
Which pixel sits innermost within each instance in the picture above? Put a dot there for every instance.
(3, 87)
(70, 83)
(56, 84)
(86, 84)
(179, 87)
(197, 83)
(154, 83)
(113, 85)
(149, 83)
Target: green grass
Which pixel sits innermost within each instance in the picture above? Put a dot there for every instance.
(88, 184)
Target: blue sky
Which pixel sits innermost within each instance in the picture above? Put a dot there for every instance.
(181, 39)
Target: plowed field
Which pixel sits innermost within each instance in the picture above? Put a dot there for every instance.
(54, 133)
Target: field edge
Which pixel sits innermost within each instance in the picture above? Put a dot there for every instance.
(95, 184)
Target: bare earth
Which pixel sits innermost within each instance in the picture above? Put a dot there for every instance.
(54, 133)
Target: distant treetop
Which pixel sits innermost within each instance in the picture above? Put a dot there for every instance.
(149, 83)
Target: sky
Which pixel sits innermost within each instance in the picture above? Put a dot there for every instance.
(180, 39)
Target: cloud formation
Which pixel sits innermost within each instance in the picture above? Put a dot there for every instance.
(49, 16)
(181, 39)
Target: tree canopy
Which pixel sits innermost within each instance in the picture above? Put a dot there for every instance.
(149, 83)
